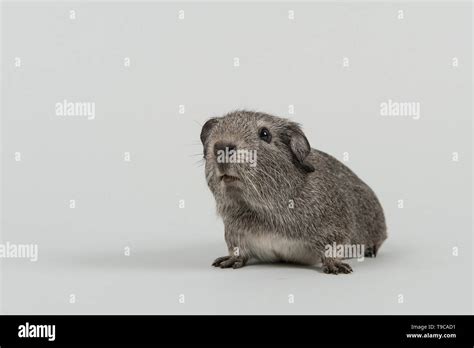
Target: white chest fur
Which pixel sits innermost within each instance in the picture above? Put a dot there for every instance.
(271, 248)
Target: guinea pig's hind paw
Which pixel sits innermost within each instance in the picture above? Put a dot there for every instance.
(371, 251)
(336, 267)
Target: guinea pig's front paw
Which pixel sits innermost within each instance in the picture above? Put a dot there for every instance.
(229, 261)
(333, 266)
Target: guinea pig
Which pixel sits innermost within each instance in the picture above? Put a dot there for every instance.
(281, 200)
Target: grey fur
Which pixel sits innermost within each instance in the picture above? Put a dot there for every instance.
(330, 203)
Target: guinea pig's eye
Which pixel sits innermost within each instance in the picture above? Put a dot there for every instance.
(264, 134)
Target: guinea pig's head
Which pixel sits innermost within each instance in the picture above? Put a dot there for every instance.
(254, 158)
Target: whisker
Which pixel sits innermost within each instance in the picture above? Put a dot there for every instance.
(199, 162)
(195, 154)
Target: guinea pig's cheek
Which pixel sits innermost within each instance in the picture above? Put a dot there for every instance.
(232, 191)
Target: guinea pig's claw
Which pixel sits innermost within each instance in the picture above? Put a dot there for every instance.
(229, 262)
(336, 267)
(218, 261)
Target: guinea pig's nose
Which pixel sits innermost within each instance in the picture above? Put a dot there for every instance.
(225, 147)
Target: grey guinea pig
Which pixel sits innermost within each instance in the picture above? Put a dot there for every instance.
(289, 202)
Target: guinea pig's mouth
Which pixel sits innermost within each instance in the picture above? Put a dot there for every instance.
(228, 178)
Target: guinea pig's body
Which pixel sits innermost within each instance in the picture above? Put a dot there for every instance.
(293, 203)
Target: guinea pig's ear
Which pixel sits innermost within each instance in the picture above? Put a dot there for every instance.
(299, 146)
(206, 129)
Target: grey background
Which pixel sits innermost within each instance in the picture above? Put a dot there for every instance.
(190, 62)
